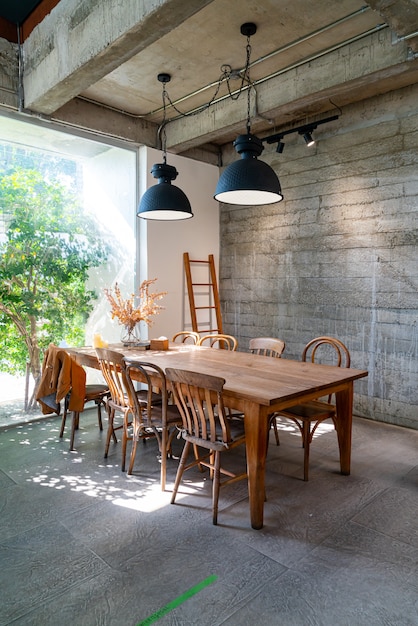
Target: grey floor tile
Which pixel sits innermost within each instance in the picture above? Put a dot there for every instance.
(393, 513)
(82, 543)
(40, 564)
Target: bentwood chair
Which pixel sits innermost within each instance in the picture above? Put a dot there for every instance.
(163, 419)
(219, 340)
(206, 427)
(186, 336)
(111, 364)
(225, 342)
(269, 346)
(120, 404)
(308, 415)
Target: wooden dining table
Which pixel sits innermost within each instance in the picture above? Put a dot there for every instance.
(257, 386)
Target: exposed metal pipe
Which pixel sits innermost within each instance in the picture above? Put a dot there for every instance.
(288, 46)
(266, 57)
(405, 37)
(295, 65)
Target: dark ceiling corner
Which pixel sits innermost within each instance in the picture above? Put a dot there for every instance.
(23, 14)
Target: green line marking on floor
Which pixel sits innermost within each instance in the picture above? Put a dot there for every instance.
(175, 603)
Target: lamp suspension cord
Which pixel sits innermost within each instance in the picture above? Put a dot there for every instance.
(163, 126)
(225, 76)
(247, 78)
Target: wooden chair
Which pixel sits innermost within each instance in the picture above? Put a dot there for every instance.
(316, 411)
(160, 419)
(96, 393)
(219, 340)
(205, 426)
(268, 346)
(58, 359)
(144, 413)
(111, 364)
(186, 336)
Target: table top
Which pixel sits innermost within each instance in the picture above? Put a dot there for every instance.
(263, 380)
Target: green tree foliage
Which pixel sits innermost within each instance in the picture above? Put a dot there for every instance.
(46, 251)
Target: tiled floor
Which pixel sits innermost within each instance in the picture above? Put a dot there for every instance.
(83, 544)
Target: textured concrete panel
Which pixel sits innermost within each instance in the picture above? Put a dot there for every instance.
(339, 256)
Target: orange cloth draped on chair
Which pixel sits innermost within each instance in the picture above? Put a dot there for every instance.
(61, 375)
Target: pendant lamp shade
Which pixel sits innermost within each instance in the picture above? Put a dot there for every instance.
(248, 181)
(164, 201)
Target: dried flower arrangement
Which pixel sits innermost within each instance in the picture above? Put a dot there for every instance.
(126, 311)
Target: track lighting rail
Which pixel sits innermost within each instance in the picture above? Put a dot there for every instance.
(304, 130)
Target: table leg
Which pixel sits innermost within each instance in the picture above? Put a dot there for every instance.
(343, 424)
(256, 448)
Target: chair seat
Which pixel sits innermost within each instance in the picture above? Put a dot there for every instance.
(205, 424)
(142, 395)
(237, 436)
(310, 410)
(95, 391)
(308, 415)
(173, 416)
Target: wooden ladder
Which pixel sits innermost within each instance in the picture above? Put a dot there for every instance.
(206, 293)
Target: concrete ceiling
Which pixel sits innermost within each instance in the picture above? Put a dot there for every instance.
(96, 64)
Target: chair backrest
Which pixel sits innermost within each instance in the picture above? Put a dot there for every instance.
(186, 336)
(111, 365)
(200, 402)
(154, 378)
(335, 349)
(218, 340)
(117, 371)
(331, 350)
(267, 346)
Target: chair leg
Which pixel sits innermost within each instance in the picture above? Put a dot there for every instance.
(180, 469)
(64, 417)
(276, 431)
(74, 426)
(124, 446)
(99, 414)
(133, 455)
(196, 456)
(306, 444)
(164, 452)
(212, 461)
(215, 487)
(110, 432)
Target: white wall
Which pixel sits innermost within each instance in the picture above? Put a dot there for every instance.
(167, 241)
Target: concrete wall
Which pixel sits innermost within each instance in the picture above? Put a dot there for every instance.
(339, 255)
(167, 241)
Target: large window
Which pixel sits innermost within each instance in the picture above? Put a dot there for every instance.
(98, 180)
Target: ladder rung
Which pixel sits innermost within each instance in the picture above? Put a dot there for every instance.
(205, 307)
(202, 284)
(208, 330)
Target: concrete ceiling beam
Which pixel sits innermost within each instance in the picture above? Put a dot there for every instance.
(402, 17)
(79, 43)
(360, 70)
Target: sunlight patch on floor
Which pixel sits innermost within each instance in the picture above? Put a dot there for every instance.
(147, 498)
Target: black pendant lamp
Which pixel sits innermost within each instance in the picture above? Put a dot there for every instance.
(248, 181)
(164, 201)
